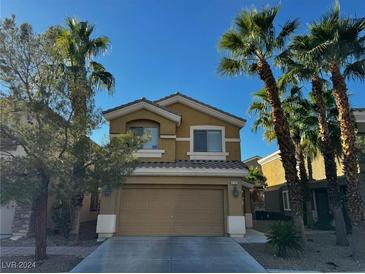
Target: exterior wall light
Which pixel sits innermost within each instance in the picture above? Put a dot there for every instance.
(235, 191)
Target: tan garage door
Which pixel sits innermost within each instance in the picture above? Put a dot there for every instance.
(171, 211)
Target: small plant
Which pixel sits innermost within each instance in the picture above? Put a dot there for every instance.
(283, 237)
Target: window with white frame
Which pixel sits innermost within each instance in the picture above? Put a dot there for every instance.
(207, 140)
(286, 204)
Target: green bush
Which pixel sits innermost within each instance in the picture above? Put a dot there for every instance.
(283, 237)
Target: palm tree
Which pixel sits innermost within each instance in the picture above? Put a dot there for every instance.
(255, 177)
(302, 130)
(86, 75)
(296, 71)
(250, 46)
(338, 43)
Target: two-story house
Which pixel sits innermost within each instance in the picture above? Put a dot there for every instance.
(190, 180)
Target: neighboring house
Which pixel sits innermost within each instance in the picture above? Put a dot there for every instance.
(276, 194)
(257, 193)
(190, 177)
(253, 161)
(16, 219)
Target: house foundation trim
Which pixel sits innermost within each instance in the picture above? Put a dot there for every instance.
(106, 225)
(236, 226)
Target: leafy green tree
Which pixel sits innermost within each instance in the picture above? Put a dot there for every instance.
(79, 51)
(338, 44)
(36, 115)
(250, 47)
(33, 87)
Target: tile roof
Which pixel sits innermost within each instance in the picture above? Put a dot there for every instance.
(199, 102)
(214, 164)
(138, 101)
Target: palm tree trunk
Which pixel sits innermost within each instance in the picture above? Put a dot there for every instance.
(330, 164)
(80, 92)
(350, 161)
(286, 146)
(300, 160)
(40, 228)
(304, 179)
(310, 168)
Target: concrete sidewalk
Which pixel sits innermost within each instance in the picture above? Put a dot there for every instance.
(169, 254)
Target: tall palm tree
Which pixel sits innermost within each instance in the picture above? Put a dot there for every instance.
(79, 50)
(250, 47)
(302, 127)
(339, 44)
(310, 70)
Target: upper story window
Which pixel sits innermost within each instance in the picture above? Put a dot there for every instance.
(207, 140)
(151, 132)
(143, 128)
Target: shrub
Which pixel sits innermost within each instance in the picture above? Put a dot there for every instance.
(283, 237)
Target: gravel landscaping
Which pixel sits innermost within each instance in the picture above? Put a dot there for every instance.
(320, 254)
(63, 254)
(88, 237)
(27, 264)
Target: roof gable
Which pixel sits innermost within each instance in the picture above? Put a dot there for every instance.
(203, 107)
(141, 104)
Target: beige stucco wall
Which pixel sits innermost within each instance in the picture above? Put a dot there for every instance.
(192, 117)
(319, 170)
(167, 127)
(119, 125)
(177, 150)
(274, 172)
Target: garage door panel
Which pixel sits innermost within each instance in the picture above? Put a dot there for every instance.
(171, 211)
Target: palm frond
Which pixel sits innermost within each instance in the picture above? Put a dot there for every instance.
(231, 67)
(287, 29)
(99, 45)
(355, 70)
(231, 40)
(101, 78)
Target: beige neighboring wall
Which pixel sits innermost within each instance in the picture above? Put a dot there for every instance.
(274, 171)
(192, 117)
(319, 169)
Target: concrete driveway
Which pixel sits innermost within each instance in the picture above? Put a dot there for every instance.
(169, 254)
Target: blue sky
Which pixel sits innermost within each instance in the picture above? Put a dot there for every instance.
(163, 46)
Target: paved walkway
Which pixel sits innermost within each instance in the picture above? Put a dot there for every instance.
(81, 251)
(169, 254)
(252, 236)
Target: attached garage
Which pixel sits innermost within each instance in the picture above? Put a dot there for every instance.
(175, 210)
